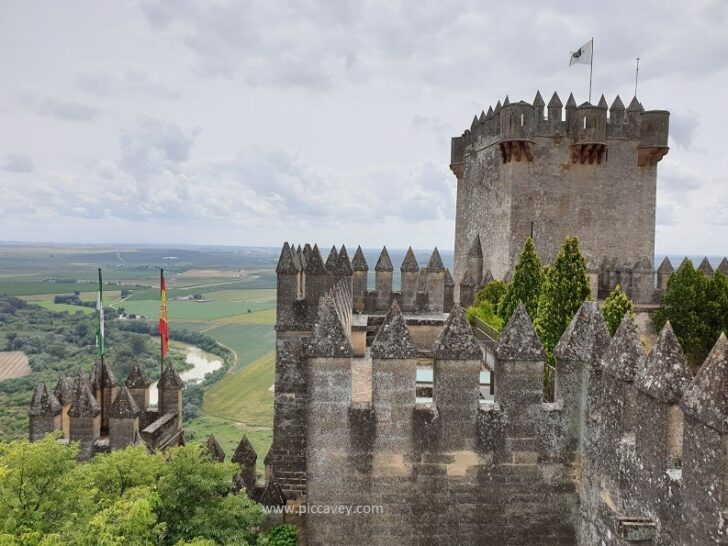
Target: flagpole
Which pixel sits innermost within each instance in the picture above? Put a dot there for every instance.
(636, 75)
(591, 68)
(161, 336)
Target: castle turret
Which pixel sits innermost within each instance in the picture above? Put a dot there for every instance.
(435, 283)
(663, 273)
(580, 348)
(332, 260)
(538, 105)
(467, 290)
(705, 439)
(44, 413)
(383, 280)
(85, 421)
(394, 368)
(214, 449)
(65, 391)
(555, 109)
(448, 298)
(104, 390)
(288, 272)
(359, 280)
(246, 457)
(660, 385)
(475, 261)
(706, 268)
(456, 391)
(519, 369)
(138, 385)
(723, 266)
(170, 387)
(410, 271)
(123, 420)
(315, 281)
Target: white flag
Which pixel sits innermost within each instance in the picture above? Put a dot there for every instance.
(583, 55)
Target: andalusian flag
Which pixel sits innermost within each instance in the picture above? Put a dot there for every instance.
(100, 318)
(163, 325)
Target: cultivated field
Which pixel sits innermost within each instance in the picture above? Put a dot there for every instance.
(13, 364)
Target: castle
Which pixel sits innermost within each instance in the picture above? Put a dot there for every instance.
(633, 450)
(101, 416)
(524, 172)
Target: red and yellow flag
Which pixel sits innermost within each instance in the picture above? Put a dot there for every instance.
(163, 325)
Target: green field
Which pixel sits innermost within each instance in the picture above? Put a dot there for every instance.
(64, 307)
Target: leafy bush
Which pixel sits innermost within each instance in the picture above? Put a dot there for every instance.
(492, 292)
(281, 535)
(615, 307)
(485, 312)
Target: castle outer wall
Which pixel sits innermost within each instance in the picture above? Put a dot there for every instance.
(522, 173)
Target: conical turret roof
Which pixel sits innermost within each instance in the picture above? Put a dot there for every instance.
(393, 339)
(359, 262)
(384, 263)
(409, 264)
(85, 405)
(137, 379)
(435, 263)
(170, 379)
(124, 406)
(456, 340)
(44, 402)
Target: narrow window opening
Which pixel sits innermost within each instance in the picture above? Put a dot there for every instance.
(584, 122)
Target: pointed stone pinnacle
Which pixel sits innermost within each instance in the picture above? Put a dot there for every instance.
(617, 105)
(519, 340)
(272, 495)
(214, 449)
(393, 339)
(268, 457)
(456, 340)
(65, 390)
(555, 101)
(635, 106)
(467, 281)
(476, 249)
(490, 112)
(359, 262)
(685, 262)
(474, 124)
(723, 266)
(625, 354)
(44, 402)
(102, 376)
(707, 398)
(666, 266)
(481, 119)
(498, 107)
(409, 264)
(343, 265)
(602, 102)
(449, 282)
(244, 453)
(85, 405)
(314, 262)
(329, 337)
(435, 263)
(507, 101)
(538, 100)
(170, 379)
(586, 339)
(665, 375)
(137, 379)
(332, 260)
(124, 406)
(384, 263)
(286, 263)
(706, 268)
(571, 101)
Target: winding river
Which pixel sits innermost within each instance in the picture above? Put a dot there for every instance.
(202, 363)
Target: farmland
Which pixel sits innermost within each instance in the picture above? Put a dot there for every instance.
(13, 364)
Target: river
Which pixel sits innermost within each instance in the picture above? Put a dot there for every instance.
(202, 363)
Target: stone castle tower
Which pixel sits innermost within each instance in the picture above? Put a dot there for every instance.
(532, 170)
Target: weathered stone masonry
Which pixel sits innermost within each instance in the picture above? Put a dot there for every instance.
(632, 451)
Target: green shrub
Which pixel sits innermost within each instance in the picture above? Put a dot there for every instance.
(485, 312)
(616, 306)
(492, 292)
(526, 284)
(281, 535)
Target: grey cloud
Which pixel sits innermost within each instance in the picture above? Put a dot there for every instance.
(66, 110)
(665, 215)
(102, 83)
(18, 163)
(683, 127)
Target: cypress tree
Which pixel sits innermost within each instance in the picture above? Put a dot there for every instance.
(616, 306)
(565, 288)
(526, 284)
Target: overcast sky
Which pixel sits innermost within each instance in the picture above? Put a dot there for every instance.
(247, 123)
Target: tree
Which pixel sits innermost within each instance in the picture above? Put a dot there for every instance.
(565, 288)
(37, 491)
(615, 307)
(526, 284)
(281, 535)
(697, 308)
(492, 292)
(138, 345)
(196, 500)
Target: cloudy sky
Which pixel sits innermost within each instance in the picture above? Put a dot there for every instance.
(246, 123)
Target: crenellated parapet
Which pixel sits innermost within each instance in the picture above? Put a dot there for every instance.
(513, 126)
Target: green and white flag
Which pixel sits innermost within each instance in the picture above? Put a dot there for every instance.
(100, 318)
(583, 55)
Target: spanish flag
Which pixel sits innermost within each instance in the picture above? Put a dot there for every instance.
(163, 325)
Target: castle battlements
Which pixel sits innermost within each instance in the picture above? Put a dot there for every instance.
(101, 416)
(514, 125)
(629, 446)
